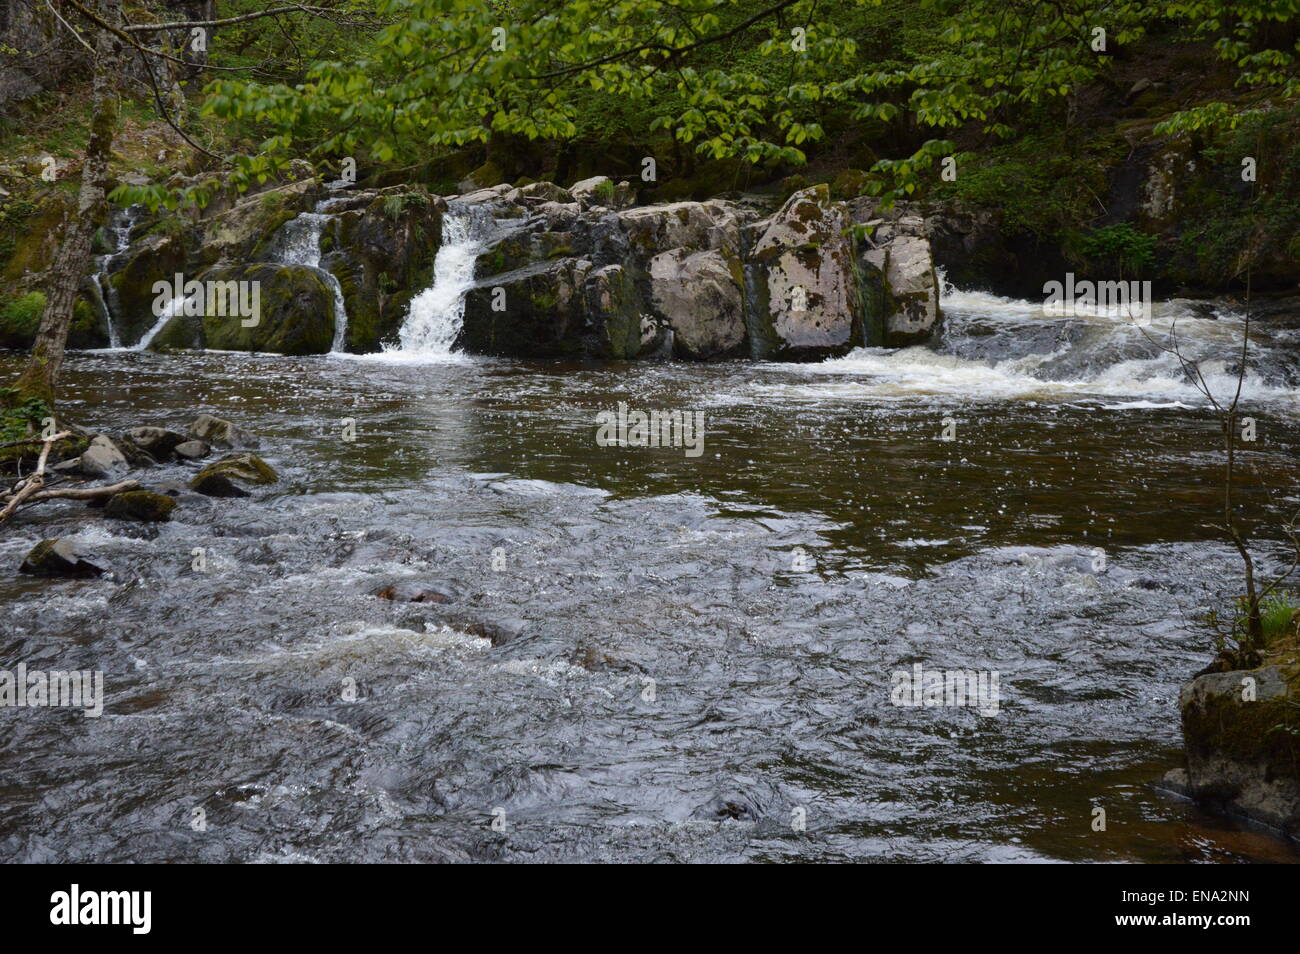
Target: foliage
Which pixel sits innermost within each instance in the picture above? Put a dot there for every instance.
(1120, 246)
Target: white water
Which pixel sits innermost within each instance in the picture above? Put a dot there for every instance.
(299, 244)
(173, 308)
(995, 348)
(437, 313)
(119, 226)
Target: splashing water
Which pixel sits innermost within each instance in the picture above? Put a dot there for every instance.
(437, 313)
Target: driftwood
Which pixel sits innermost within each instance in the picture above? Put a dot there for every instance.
(31, 488)
(85, 493)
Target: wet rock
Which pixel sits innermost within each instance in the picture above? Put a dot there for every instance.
(58, 557)
(191, 450)
(614, 314)
(158, 442)
(215, 480)
(536, 311)
(142, 505)
(295, 313)
(413, 593)
(543, 192)
(698, 295)
(220, 433)
(103, 458)
(217, 485)
(1241, 730)
(902, 253)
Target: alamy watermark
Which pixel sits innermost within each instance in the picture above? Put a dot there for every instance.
(654, 428)
(37, 689)
(1121, 299)
(919, 686)
(194, 299)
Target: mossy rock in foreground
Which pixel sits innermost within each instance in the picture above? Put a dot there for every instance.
(218, 478)
(143, 505)
(1242, 735)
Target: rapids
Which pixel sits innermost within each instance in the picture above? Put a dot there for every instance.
(684, 652)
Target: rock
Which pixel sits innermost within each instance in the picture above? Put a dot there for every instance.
(544, 192)
(103, 458)
(903, 256)
(220, 433)
(245, 467)
(236, 233)
(58, 557)
(217, 485)
(541, 313)
(1242, 755)
(295, 313)
(191, 450)
(614, 318)
(812, 295)
(598, 190)
(142, 505)
(413, 593)
(697, 226)
(158, 442)
(698, 295)
(129, 289)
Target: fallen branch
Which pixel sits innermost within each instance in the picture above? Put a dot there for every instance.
(85, 493)
(28, 486)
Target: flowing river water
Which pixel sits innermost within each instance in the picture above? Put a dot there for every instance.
(649, 656)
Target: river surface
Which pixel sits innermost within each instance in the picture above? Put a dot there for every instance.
(649, 656)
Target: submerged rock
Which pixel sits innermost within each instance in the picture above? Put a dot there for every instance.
(413, 593)
(217, 485)
(58, 557)
(143, 505)
(1242, 736)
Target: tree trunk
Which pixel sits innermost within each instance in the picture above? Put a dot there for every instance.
(73, 259)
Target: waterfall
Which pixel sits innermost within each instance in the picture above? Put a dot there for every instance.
(298, 243)
(118, 229)
(170, 310)
(437, 313)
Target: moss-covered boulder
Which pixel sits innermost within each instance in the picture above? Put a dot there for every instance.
(532, 312)
(247, 227)
(296, 313)
(245, 468)
(1242, 735)
(141, 505)
(613, 314)
(218, 432)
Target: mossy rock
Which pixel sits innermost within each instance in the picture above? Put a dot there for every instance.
(245, 467)
(296, 314)
(130, 289)
(141, 505)
(542, 317)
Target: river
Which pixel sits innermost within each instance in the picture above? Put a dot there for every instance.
(690, 657)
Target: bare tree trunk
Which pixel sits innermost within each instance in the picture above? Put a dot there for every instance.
(73, 259)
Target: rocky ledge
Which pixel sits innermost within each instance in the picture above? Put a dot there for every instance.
(577, 272)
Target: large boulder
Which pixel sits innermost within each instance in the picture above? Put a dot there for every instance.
(533, 312)
(613, 314)
(248, 226)
(296, 314)
(811, 286)
(697, 226)
(698, 295)
(1241, 730)
(900, 250)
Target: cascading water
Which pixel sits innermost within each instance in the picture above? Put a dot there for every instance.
(437, 313)
(118, 229)
(299, 244)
